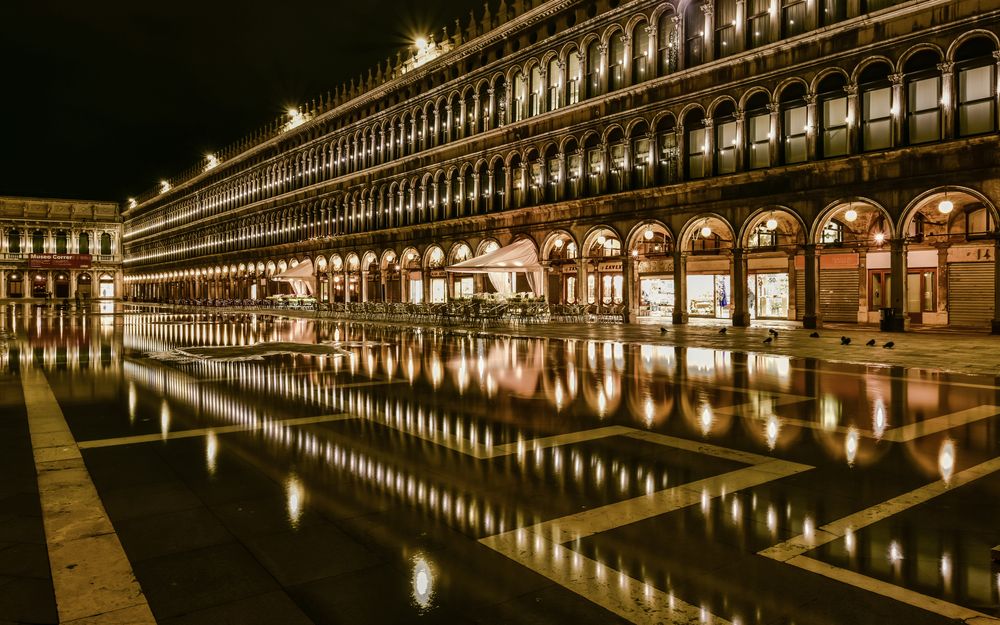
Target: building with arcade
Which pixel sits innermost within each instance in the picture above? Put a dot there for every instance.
(64, 249)
(812, 160)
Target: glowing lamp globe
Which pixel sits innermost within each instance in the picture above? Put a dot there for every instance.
(945, 207)
(648, 234)
(706, 232)
(851, 215)
(772, 223)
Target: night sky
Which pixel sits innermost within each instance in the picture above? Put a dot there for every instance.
(101, 99)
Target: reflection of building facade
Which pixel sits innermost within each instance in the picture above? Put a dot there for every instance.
(59, 248)
(795, 160)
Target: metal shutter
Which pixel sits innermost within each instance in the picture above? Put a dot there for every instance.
(970, 294)
(838, 294)
(800, 294)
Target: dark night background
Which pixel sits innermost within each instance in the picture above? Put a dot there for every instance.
(101, 99)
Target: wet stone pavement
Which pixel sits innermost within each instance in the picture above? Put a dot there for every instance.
(319, 471)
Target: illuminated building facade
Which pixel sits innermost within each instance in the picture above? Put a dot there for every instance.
(790, 159)
(64, 249)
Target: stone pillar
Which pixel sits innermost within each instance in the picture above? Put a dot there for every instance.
(741, 133)
(741, 19)
(996, 98)
(603, 79)
(898, 320)
(853, 118)
(741, 311)
(811, 127)
(708, 40)
(628, 275)
(581, 281)
(941, 288)
(949, 100)
(681, 142)
(863, 286)
(898, 109)
(709, 155)
(793, 312)
(680, 288)
(812, 318)
(773, 134)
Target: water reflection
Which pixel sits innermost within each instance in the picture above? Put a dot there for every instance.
(448, 427)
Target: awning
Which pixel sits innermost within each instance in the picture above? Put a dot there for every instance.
(518, 257)
(300, 276)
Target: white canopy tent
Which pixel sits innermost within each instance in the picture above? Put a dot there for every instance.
(301, 277)
(518, 257)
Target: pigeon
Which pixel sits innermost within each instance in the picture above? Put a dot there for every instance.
(768, 340)
(871, 343)
(723, 330)
(772, 332)
(662, 329)
(814, 335)
(844, 340)
(889, 345)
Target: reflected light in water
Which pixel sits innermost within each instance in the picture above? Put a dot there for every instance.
(295, 499)
(946, 570)
(649, 411)
(851, 445)
(211, 451)
(132, 401)
(705, 418)
(771, 430)
(849, 541)
(946, 460)
(423, 583)
(879, 420)
(164, 419)
(895, 552)
(829, 412)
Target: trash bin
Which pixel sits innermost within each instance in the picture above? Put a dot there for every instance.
(885, 319)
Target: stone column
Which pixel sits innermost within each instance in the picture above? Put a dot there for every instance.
(812, 318)
(898, 109)
(680, 288)
(996, 98)
(853, 118)
(741, 133)
(793, 312)
(899, 321)
(603, 79)
(681, 141)
(941, 288)
(581, 281)
(709, 148)
(708, 40)
(811, 127)
(741, 311)
(948, 100)
(628, 275)
(773, 134)
(741, 18)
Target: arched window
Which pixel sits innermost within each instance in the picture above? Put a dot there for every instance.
(535, 91)
(758, 131)
(593, 65)
(923, 97)
(666, 44)
(640, 53)
(574, 76)
(725, 28)
(697, 145)
(105, 244)
(553, 80)
(793, 123)
(616, 62)
(876, 107)
(694, 34)
(832, 116)
(725, 138)
(976, 87)
(666, 151)
(833, 233)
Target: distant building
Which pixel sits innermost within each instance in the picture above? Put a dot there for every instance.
(785, 159)
(59, 249)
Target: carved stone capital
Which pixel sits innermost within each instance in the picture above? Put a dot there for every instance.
(851, 89)
(896, 79)
(946, 68)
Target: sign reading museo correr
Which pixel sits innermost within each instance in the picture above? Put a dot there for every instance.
(59, 261)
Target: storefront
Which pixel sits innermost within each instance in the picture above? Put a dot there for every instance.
(709, 295)
(769, 295)
(604, 283)
(15, 285)
(107, 286)
(656, 296)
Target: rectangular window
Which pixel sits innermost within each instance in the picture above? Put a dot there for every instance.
(61, 243)
(795, 134)
(923, 110)
(725, 148)
(37, 243)
(876, 131)
(833, 11)
(14, 242)
(879, 291)
(793, 17)
(696, 153)
(758, 23)
(975, 100)
(668, 157)
(665, 35)
(835, 126)
(573, 74)
(640, 162)
(594, 158)
(759, 128)
(725, 28)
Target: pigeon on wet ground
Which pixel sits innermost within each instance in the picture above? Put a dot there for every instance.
(772, 332)
(723, 330)
(871, 343)
(662, 329)
(814, 335)
(889, 345)
(845, 340)
(768, 340)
